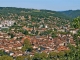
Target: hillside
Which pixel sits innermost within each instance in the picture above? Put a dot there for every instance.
(5, 12)
(31, 34)
(46, 17)
(72, 13)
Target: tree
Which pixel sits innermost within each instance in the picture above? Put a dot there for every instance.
(37, 56)
(20, 58)
(27, 45)
(28, 57)
(5, 57)
(78, 32)
(76, 37)
(2, 52)
(61, 55)
(67, 53)
(76, 22)
(53, 55)
(25, 32)
(12, 35)
(53, 35)
(43, 55)
(40, 56)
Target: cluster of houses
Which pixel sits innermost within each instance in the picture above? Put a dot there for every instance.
(48, 44)
(11, 46)
(39, 44)
(6, 23)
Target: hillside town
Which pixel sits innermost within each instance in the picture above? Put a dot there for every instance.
(45, 43)
(31, 34)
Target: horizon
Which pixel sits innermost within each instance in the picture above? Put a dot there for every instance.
(54, 5)
(37, 9)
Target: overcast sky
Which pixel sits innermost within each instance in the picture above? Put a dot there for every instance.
(57, 5)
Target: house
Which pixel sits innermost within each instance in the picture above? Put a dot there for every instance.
(74, 31)
(62, 48)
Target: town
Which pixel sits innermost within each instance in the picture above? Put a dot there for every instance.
(12, 42)
(29, 32)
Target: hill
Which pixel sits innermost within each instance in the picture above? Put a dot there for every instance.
(8, 11)
(72, 13)
(51, 18)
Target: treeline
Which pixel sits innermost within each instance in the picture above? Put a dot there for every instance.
(73, 54)
(8, 11)
(72, 13)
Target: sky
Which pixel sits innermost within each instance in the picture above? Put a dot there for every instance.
(56, 5)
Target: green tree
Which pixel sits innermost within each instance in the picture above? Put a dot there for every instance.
(2, 52)
(28, 57)
(61, 55)
(67, 54)
(37, 56)
(5, 57)
(76, 37)
(43, 55)
(27, 45)
(25, 32)
(53, 35)
(76, 22)
(12, 35)
(20, 58)
(53, 55)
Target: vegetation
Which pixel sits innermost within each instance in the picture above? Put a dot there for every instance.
(32, 18)
(76, 22)
(5, 57)
(6, 12)
(27, 46)
(72, 13)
